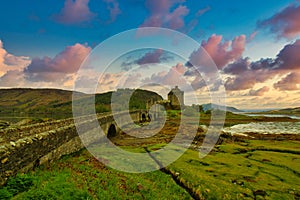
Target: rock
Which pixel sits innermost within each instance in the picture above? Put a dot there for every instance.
(207, 190)
(4, 160)
(140, 187)
(260, 193)
(4, 124)
(13, 144)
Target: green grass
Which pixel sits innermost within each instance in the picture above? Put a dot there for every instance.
(234, 174)
(80, 176)
(234, 170)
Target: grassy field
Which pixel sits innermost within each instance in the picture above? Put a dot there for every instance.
(81, 176)
(237, 168)
(250, 169)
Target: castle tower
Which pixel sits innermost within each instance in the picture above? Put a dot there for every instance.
(176, 98)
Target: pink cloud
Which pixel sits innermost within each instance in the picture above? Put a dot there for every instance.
(252, 36)
(175, 18)
(12, 78)
(247, 74)
(113, 8)
(289, 82)
(259, 92)
(162, 16)
(66, 62)
(226, 52)
(10, 62)
(289, 57)
(2, 53)
(284, 23)
(75, 12)
(172, 77)
(202, 11)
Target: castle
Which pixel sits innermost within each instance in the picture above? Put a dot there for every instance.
(175, 100)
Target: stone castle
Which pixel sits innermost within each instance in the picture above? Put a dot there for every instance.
(175, 100)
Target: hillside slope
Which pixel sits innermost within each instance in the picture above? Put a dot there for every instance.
(286, 111)
(211, 106)
(55, 101)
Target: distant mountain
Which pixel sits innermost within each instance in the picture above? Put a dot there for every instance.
(59, 102)
(286, 111)
(210, 106)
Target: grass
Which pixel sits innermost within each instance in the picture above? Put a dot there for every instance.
(81, 176)
(230, 173)
(236, 169)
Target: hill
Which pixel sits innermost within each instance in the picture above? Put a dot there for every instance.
(286, 111)
(55, 102)
(211, 106)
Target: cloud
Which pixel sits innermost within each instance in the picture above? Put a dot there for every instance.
(66, 62)
(10, 62)
(74, 12)
(238, 67)
(289, 82)
(259, 92)
(284, 23)
(12, 78)
(289, 57)
(161, 14)
(175, 76)
(151, 57)
(226, 52)
(113, 8)
(252, 36)
(246, 74)
(202, 11)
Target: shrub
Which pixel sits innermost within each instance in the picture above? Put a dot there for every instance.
(19, 184)
(5, 194)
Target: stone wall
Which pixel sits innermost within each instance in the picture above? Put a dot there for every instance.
(45, 142)
(28, 152)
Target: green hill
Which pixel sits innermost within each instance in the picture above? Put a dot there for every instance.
(55, 102)
(31, 100)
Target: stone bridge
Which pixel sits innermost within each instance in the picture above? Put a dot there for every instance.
(23, 148)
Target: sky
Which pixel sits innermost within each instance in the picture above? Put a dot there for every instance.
(255, 46)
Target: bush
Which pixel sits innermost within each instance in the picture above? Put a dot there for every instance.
(173, 113)
(66, 192)
(5, 194)
(16, 185)
(19, 184)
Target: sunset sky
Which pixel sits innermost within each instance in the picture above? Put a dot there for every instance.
(254, 44)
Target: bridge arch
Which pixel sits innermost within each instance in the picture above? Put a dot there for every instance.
(144, 117)
(112, 131)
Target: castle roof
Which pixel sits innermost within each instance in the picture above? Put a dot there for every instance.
(175, 90)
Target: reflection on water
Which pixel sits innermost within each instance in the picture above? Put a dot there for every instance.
(265, 128)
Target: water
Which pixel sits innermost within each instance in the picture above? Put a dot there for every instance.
(271, 115)
(265, 128)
